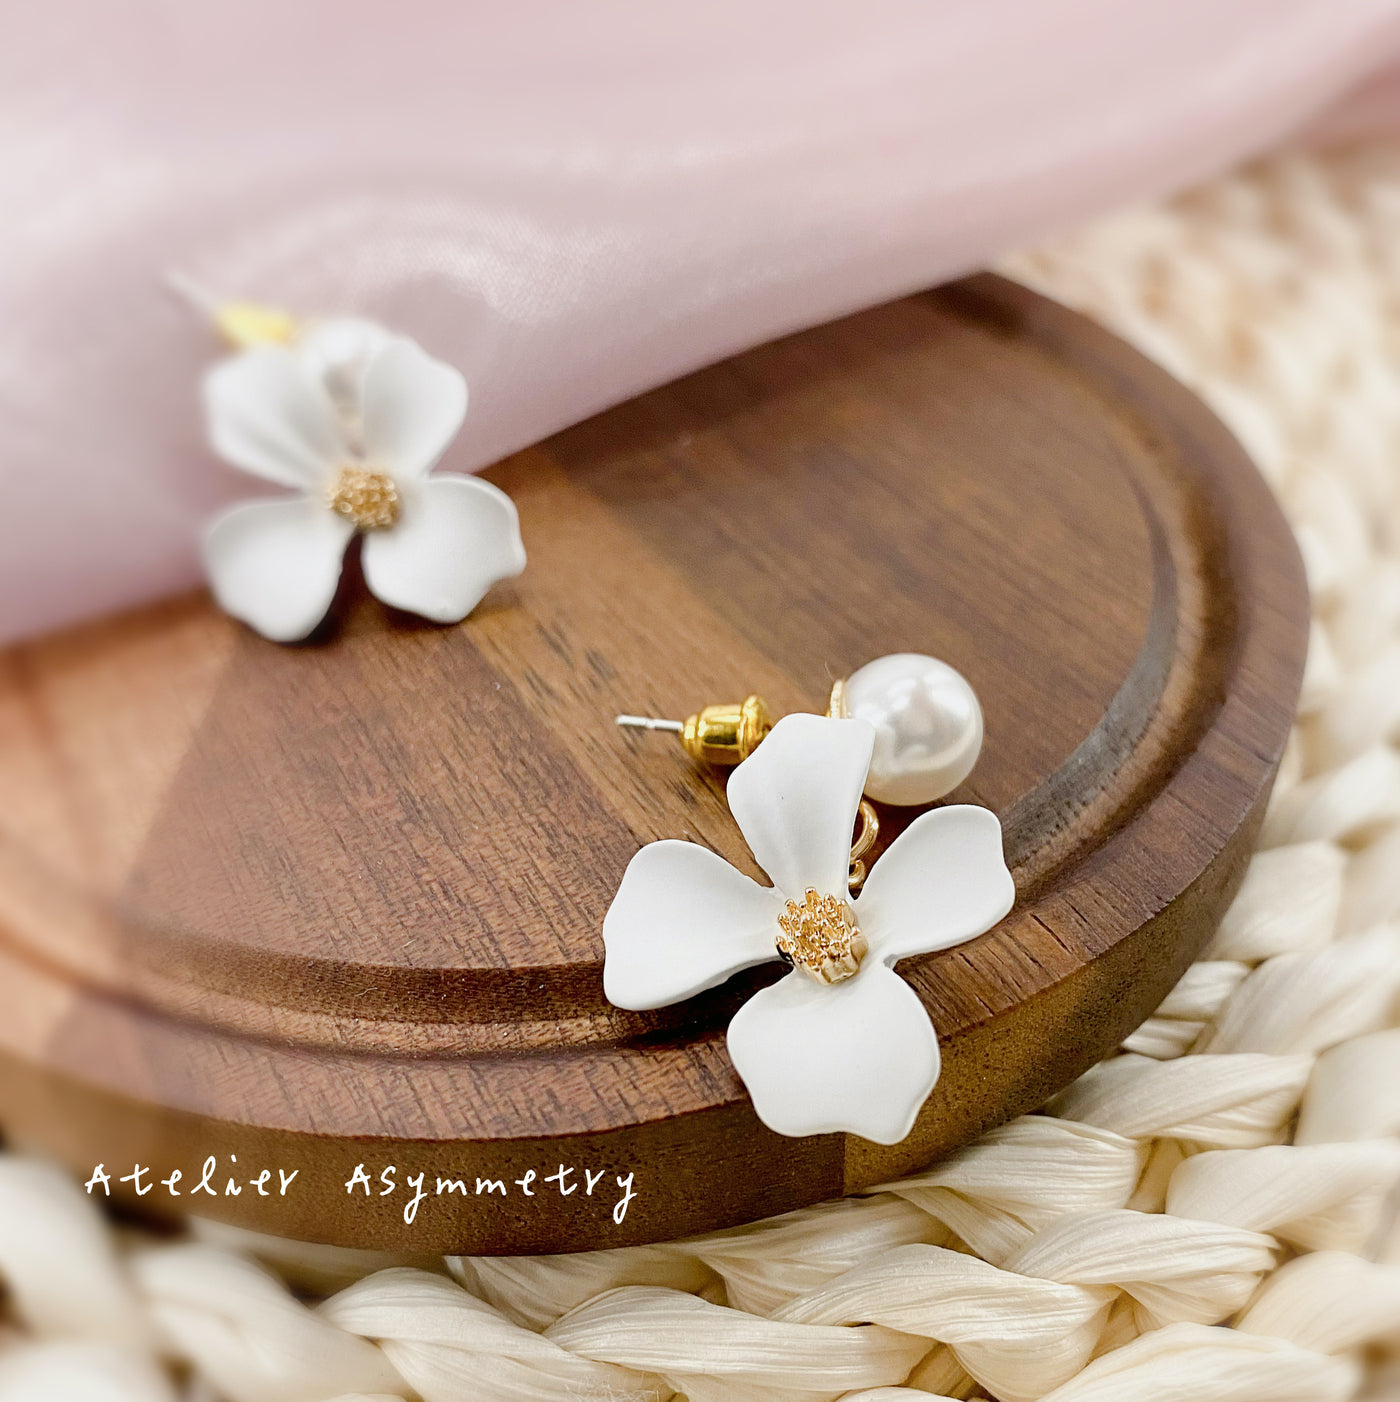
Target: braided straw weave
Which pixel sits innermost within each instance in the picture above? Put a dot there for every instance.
(1208, 1217)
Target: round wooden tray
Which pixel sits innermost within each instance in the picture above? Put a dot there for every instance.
(316, 907)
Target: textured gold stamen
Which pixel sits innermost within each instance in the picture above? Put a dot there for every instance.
(818, 935)
(368, 497)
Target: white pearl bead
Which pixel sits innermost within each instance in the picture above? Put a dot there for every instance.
(928, 726)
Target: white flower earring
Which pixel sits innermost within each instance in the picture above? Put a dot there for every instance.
(841, 1043)
(353, 418)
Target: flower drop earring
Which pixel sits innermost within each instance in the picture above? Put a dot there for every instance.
(842, 1043)
(353, 419)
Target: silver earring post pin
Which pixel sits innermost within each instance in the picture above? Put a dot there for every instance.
(651, 723)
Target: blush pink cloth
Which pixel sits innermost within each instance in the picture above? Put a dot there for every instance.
(569, 202)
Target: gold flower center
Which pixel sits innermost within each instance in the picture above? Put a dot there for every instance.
(819, 935)
(368, 497)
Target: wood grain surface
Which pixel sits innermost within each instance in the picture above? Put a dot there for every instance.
(337, 904)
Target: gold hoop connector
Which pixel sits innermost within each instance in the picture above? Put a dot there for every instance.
(865, 840)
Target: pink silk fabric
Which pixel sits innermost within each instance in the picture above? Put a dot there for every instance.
(570, 202)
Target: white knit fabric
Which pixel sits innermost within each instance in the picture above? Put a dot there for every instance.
(1208, 1217)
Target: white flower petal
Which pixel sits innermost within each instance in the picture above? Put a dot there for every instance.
(412, 408)
(336, 342)
(456, 537)
(682, 921)
(338, 350)
(275, 564)
(942, 881)
(268, 414)
(859, 1056)
(795, 800)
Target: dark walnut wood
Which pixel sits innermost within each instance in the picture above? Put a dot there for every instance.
(340, 904)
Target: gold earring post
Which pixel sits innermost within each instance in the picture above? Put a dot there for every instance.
(242, 325)
(725, 734)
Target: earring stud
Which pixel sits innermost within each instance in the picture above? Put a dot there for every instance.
(927, 721)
